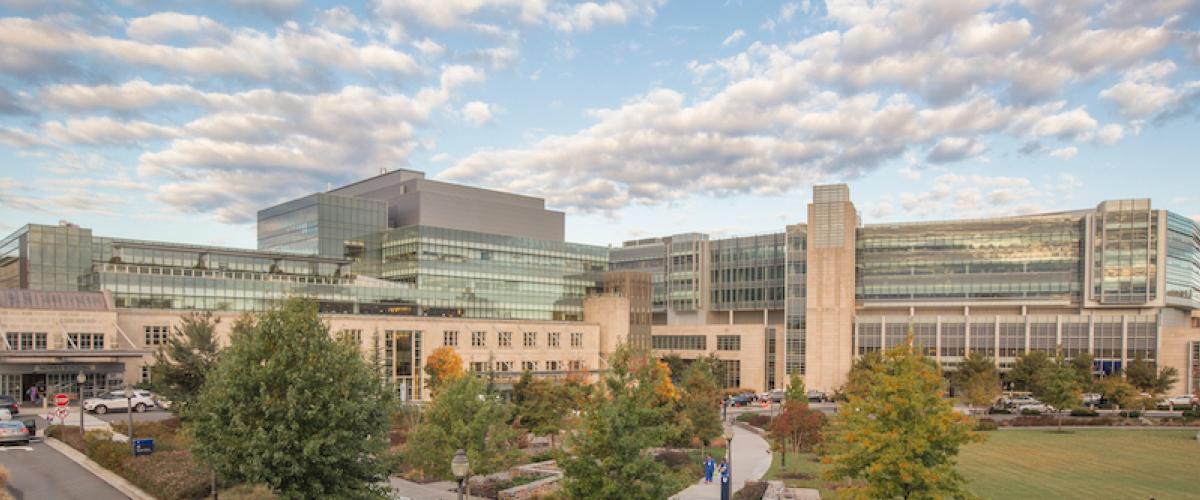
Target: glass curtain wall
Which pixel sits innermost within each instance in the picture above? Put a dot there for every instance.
(748, 272)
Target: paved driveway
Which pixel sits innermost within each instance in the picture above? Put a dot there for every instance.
(38, 471)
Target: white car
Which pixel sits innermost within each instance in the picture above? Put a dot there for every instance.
(1036, 406)
(115, 400)
(1177, 401)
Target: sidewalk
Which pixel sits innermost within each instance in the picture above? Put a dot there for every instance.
(751, 459)
(90, 422)
(442, 490)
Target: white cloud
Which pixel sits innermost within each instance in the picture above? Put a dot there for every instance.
(429, 48)
(104, 130)
(733, 38)
(1065, 153)
(561, 16)
(1110, 134)
(1143, 92)
(951, 149)
(961, 196)
(477, 113)
(162, 26)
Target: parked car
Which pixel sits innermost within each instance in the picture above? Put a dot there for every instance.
(116, 400)
(30, 424)
(14, 431)
(10, 403)
(1179, 401)
(1019, 401)
(816, 397)
(1037, 406)
(1090, 396)
(742, 399)
(776, 396)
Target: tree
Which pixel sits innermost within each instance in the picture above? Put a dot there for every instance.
(895, 433)
(622, 419)
(289, 407)
(1167, 377)
(540, 405)
(1082, 365)
(442, 365)
(1120, 392)
(463, 415)
(1028, 369)
(698, 410)
(977, 380)
(182, 365)
(1140, 373)
(795, 391)
(1058, 387)
(797, 427)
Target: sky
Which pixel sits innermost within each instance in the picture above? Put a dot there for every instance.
(178, 120)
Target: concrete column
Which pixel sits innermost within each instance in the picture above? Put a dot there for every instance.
(1057, 330)
(1124, 341)
(1092, 335)
(966, 336)
(882, 333)
(1028, 334)
(996, 341)
(937, 340)
(731, 316)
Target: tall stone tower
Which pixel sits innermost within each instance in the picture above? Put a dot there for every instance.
(832, 222)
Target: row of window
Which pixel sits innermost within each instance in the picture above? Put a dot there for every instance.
(504, 339)
(531, 366)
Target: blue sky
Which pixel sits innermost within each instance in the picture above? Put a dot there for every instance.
(176, 120)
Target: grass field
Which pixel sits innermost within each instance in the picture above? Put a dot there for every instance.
(1084, 464)
(1093, 463)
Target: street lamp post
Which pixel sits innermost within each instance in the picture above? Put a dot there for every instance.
(129, 410)
(81, 378)
(727, 477)
(459, 466)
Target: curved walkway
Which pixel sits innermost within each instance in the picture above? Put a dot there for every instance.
(751, 459)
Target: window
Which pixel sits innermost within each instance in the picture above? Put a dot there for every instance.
(552, 366)
(352, 337)
(530, 339)
(145, 374)
(1195, 322)
(450, 338)
(504, 366)
(529, 366)
(480, 366)
(552, 339)
(679, 342)
(157, 334)
(575, 365)
(478, 339)
(85, 341)
(26, 341)
(729, 343)
(576, 339)
(505, 339)
(733, 373)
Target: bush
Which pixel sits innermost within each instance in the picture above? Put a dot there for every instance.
(1130, 414)
(753, 490)
(168, 474)
(986, 424)
(756, 419)
(247, 492)
(111, 455)
(1190, 414)
(1084, 412)
(1030, 411)
(673, 459)
(544, 455)
(1052, 421)
(998, 411)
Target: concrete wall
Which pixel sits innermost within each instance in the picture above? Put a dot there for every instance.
(752, 354)
(830, 305)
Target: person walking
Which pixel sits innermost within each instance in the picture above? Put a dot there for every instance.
(710, 466)
(33, 394)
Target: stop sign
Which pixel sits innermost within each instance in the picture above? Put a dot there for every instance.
(61, 400)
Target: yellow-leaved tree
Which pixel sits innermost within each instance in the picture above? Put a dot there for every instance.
(443, 365)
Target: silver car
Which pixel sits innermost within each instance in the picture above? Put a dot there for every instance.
(14, 431)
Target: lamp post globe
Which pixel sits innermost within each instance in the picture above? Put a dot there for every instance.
(460, 466)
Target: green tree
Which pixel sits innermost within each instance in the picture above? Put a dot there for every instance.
(1058, 387)
(795, 391)
(622, 420)
(1140, 373)
(182, 365)
(463, 415)
(1166, 378)
(699, 415)
(540, 406)
(289, 407)
(977, 381)
(896, 436)
(1028, 370)
(1082, 364)
(1118, 391)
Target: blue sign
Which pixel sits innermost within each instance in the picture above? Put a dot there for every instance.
(143, 446)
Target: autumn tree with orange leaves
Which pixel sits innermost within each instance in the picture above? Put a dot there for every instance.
(443, 365)
(896, 436)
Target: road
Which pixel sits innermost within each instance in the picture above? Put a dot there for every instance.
(38, 471)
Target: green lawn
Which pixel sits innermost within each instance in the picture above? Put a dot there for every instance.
(797, 464)
(1094, 463)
